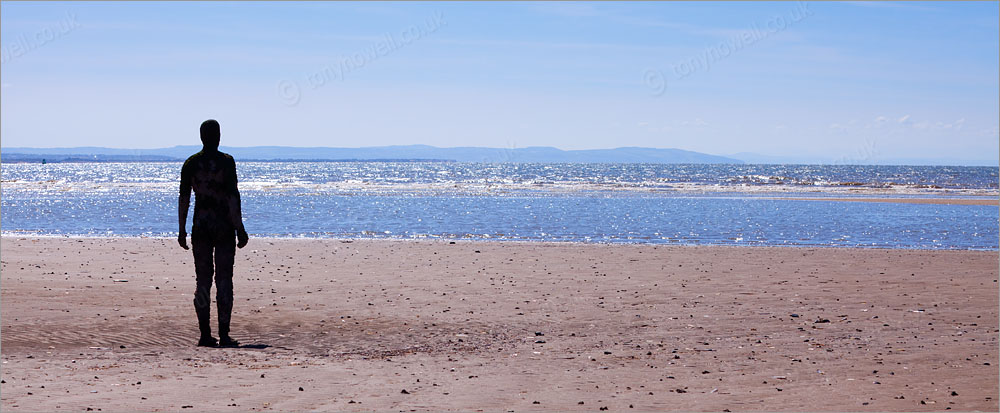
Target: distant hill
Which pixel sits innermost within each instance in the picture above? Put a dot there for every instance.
(407, 152)
(414, 153)
(56, 158)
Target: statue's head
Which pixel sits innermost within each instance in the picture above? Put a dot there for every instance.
(210, 134)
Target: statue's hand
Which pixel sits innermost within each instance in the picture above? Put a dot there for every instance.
(242, 238)
(182, 239)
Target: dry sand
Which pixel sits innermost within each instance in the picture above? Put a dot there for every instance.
(333, 325)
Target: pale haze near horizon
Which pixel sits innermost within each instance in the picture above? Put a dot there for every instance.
(862, 81)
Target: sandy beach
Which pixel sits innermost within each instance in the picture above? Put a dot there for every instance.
(108, 325)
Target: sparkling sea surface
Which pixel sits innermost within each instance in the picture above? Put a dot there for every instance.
(610, 203)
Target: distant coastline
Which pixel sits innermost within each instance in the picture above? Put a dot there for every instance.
(50, 158)
(405, 153)
(426, 153)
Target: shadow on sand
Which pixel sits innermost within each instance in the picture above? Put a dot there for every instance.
(249, 346)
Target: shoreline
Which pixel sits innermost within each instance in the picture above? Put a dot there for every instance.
(485, 241)
(107, 324)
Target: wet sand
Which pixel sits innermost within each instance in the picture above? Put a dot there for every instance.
(405, 325)
(937, 201)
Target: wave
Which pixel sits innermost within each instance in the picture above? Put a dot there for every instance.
(494, 188)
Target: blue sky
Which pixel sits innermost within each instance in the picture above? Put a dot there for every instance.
(854, 81)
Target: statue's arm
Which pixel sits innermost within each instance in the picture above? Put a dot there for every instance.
(183, 204)
(235, 206)
(235, 210)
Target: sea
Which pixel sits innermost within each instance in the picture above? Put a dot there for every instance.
(682, 204)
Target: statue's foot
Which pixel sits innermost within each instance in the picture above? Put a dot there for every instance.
(207, 341)
(226, 341)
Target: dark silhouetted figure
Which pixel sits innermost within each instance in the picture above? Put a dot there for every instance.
(217, 221)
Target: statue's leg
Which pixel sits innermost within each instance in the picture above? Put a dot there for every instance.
(203, 269)
(225, 252)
